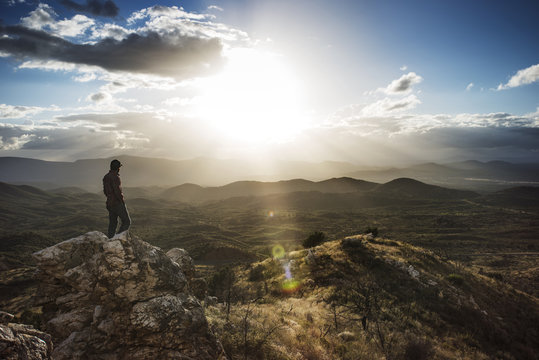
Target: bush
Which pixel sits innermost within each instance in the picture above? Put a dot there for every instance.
(455, 279)
(417, 349)
(495, 275)
(257, 273)
(371, 230)
(316, 238)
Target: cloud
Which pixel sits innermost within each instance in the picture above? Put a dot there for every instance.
(18, 112)
(469, 86)
(522, 77)
(406, 138)
(404, 68)
(161, 12)
(403, 84)
(111, 31)
(167, 55)
(95, 7)
(44, 17)
(215, 7)
(100, 97)
(388, 105)
(164, 20)
(15, 2)
(389, 139)
(163, 135)
(72, 139)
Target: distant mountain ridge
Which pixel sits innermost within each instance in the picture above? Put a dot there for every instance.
(470, 174)
(198, 194)
(149, 173)
(336, 192)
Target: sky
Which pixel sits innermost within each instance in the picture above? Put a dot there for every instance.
(374, 83)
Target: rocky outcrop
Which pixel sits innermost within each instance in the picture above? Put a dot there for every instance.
(197, 286)
(18, 341)
(120, 298)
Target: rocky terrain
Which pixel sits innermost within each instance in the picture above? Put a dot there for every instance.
(121, 298)
(18, 341)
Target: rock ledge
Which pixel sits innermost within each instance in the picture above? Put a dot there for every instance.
(120, 298)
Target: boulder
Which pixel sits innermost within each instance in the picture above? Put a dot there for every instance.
(182, 258)
(120, 298)
(18, 341)
(199, 288)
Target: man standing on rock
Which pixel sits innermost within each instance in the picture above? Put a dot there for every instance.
(112, 187)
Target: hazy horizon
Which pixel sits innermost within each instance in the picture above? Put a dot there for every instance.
(369, 83)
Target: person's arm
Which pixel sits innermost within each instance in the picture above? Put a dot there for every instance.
(117, 189)
(107, 189)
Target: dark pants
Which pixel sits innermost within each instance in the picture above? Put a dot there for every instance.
(115, 212)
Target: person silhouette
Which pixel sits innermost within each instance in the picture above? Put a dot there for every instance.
(112, 187)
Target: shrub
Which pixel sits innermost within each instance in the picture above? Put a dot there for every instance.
(495, 275)
(256, 273)
(371, 230)
(417, 349)
(455, 279)
(316, 238)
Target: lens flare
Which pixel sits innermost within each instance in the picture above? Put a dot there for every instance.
(290, 286)
(287, 272)
(271, 214)
(278, 251)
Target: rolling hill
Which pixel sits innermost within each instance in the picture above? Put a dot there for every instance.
(410, 188)
(474, 175)
(144, 172)
(151, 172)
(197, 194)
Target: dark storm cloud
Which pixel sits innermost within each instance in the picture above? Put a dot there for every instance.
(99, 8)
(173, 54)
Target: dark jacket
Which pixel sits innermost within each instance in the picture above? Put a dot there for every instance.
(112, 187)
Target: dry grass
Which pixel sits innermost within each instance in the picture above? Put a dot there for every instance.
(440, 310)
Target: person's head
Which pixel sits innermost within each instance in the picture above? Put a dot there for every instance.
(115, 165)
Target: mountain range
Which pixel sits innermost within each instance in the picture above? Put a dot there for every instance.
(152, 172)
(141, 171)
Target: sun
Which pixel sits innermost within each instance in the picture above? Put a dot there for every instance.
(256, 98)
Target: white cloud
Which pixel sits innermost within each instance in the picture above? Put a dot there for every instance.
(75, 26)
(403, 84)
(41, 17)
(469, 86)
(85, 77)
(158, 11)
(388, 105)
(404, 68)
(178, 101)
(112, 31)
(15, 2)
(522, 77)
(49, 65)
(71, 138)
(44, 17)
(215, 7)
(173, 20)
(18, 112)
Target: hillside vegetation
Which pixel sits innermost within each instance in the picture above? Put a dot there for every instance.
(454, 274)
(369, 298)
